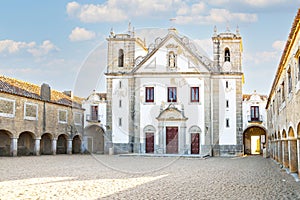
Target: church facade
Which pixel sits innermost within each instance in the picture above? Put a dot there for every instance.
(170, 98)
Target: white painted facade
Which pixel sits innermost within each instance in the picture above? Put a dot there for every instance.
(141, 82)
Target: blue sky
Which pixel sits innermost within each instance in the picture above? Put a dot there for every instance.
(63, 42)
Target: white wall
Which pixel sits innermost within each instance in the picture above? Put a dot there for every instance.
(227, 135)
(120, 134)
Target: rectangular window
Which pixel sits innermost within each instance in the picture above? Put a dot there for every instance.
(77, 118)
(62, 116)
(120, 121)
(30, 111)
(226, 84)
(194, 94)
(94, 113)
(227, 123)
(120, 84)
(254, 110)
(290, 80)
(172, 94)
(7, 107)
(149, 94)
(120, 103)
(227, 104)
(283, 93)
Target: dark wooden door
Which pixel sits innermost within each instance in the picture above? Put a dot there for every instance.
(195, 143)
(149, 142)
(172, 140)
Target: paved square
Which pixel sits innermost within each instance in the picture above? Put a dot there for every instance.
(115, 177)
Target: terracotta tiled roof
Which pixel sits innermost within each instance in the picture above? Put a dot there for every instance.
(22, 88)
(248, 96)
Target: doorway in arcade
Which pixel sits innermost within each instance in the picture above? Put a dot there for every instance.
(254, 138)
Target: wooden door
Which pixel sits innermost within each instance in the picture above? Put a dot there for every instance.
(195, 143)
(172, 140)
(149, 142)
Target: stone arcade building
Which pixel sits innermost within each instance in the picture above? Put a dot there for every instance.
(283, 104)
(171, 98)
(37, 120)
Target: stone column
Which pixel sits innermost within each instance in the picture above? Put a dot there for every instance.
(54, 142)
(69, 146)
(160, 149)
(37, 146)
(293, 164)
(285, 153)
(14, 147)
(275, 150)
(298, 154)
(279, 151)
(182, 142)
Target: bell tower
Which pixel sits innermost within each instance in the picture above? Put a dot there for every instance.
(121, 52)
(227, 51)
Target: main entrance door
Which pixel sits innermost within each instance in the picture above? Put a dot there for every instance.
(172, 140)
(149, 142)
(195, 143)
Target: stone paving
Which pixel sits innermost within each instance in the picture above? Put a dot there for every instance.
(115, 177)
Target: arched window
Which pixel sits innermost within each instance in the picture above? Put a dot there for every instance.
(227, 55)
(121, 58)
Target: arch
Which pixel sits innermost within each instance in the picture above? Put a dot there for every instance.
(5, 141)
(254, 139)
(279, 135)
(283, 134)
(76, 144)
(46, 144)
(227, 55)
(149, 128)
(26, 144)
(291, 133)
(121, 58)
(94, 139)
(61, 146)
(195, 129)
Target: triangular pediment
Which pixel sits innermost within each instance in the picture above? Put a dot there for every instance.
(186, 57)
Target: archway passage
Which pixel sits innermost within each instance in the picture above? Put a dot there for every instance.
(61, 144)
(5, 143)
(76, 145)
(46, 144)
(25, 144)
(254, 139)
(94, 137)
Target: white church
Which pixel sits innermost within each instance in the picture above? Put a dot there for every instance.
(170, 98)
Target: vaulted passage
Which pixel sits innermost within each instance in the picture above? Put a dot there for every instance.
(4, 143)
(46, 144)
(254, 140)
(25, 144)
(61, 144)
(94, 136)
(76, 145)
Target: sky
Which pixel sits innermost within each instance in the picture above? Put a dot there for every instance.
(63, 43)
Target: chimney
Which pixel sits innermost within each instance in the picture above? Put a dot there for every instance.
(68, 93)
(45, 92)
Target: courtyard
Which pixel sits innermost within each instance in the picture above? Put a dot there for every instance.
(117, 177)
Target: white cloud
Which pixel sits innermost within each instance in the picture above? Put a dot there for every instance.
(81, 34)
(253, 3)
(216, 16)
(279, 45)
(91, 13)
(46, 47)
(11, 46)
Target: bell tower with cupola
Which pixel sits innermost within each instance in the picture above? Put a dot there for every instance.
(227, 51)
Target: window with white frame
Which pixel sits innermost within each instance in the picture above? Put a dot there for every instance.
(62, 116)
(30, 111)
(7, 107)
(120, 121)
(149, 94)
(172, 94)
(77, 118)
(227, 123)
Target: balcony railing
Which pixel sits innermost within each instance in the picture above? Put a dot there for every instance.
(93, 118)
(255, 119)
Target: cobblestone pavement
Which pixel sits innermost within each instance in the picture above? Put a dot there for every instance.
(114, 177)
